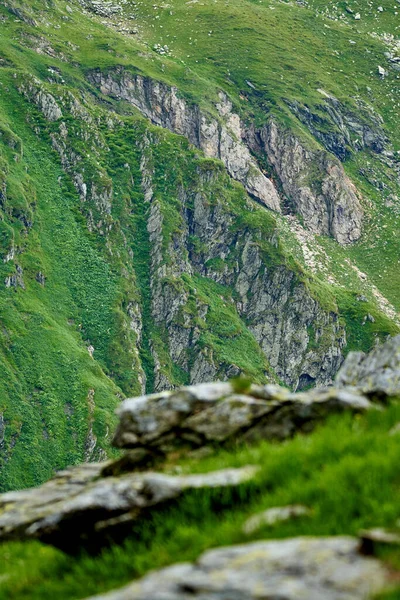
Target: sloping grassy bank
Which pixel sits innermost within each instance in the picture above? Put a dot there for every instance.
(347, 472)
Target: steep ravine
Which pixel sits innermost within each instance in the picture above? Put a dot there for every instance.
(302, 341)
(208, 236)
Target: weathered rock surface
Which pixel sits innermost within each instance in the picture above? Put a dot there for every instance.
(308, 568)
(277, 307)
(80, 506)
(343, 130)
(44, 100)
(103, 8)
(301, 340)
(165, 107)
(89, 503)
(277, 514)
(198, 415)
(314, 181)
(375, 373)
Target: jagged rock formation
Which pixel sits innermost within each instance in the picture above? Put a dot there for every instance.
(328, 201)
(341, 130)
(278, 308)
(375, 373)
(91, 505)
(84, 505)
(134, 260)
(313, 568)
(165, 107)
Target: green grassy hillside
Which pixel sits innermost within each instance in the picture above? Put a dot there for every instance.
(78, 273)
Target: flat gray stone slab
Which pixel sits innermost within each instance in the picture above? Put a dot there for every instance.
(276, 514)
(292, 569)
(79, 505)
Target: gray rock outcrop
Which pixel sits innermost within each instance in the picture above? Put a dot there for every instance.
(88, 504)
(277, 307)
(217, 139)
(44, 100)
(213, 413)
(302, 341)
(81, 506)
(103, 8)
(313, 180)
(372, 539)
(375, 373)
(309, 568)
(343, 130)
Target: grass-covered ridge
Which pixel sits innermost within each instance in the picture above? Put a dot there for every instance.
(346, 472)
(85, 266)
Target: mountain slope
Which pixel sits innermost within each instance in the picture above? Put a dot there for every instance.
(226, 204)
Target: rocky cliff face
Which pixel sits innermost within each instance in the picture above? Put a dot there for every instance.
(313, 182)
(302, 341)
(216, 138)
(341, 130)
(145, 235)
(277, 307)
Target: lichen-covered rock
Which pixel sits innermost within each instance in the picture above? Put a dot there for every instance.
(197, 415)
(309, 568)
(80, 506)
(375, 373)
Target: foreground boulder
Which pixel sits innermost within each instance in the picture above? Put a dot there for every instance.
(376, 373)
(82, 507)
(208, 413)
(309, 568)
